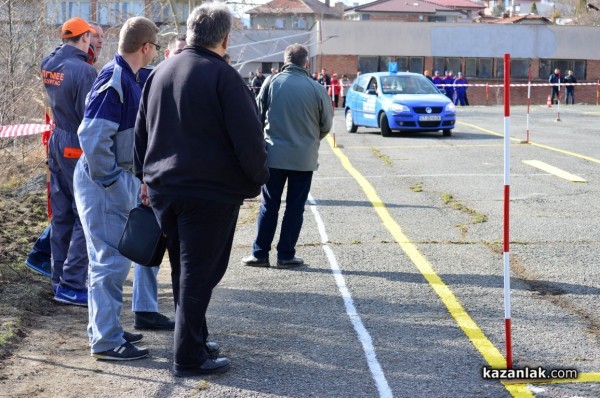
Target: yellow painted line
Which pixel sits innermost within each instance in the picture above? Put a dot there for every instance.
(485, 347)
(581, 378)
(554, 170)
(550, 148)
(424, 146)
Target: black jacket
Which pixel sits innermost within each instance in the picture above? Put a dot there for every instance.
(197, 131)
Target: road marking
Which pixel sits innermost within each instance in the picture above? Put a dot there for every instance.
(548, 147)
(485, 347)
(363, 335)
(554, 170)
(443, 144)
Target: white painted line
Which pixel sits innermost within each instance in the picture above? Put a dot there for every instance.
(554, 170)
(363, 335)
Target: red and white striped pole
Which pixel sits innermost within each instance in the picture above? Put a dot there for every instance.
(558, 100)
(506, 250)
(528, 106)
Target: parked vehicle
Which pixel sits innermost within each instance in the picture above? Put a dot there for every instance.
(400, 101)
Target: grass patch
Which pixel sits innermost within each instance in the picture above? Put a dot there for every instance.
(385, 158)
(418, 187)
(476, 218)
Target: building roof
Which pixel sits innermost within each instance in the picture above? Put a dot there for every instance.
(263, 45)
(416, 6)
(296, 7)
(518, 19)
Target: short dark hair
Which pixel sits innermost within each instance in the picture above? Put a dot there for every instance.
(174, 40)
(296, 54)
(208, 24)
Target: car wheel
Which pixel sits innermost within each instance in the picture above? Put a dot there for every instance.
(350, 126)
(447, 133)
(384, 125)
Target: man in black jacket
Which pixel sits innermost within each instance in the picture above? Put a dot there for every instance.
(555, 79)
(200, 156)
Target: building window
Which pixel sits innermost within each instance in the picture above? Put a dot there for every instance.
(116, 12)
(300, 23)
(280, 23)
(57, 12)
(416, 64)
(365, 17)
(547, 67)
(471, 67)
(368, 64)
(485, 68)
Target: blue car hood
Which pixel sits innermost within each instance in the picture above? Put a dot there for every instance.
(419, 99)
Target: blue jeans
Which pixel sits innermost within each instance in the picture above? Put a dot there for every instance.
(571, 94)
(69, 257)
(103, 212)
(41, 251)
(145, 289)
(298, 187)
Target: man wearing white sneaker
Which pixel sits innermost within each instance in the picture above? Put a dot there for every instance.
(106, 188)
(296, 113)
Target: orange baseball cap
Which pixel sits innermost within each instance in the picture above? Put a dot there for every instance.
(75, 27)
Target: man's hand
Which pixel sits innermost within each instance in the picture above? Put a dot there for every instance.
(144, 195)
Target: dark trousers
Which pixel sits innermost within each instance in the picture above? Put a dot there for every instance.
(298, 183)
(41, 251)
(570, 94)
(555, 94)
(199, 237)
(67, 241)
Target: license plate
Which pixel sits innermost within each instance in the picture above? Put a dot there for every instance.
(429, 118)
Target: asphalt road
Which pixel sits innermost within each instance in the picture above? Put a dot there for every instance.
(402, 294)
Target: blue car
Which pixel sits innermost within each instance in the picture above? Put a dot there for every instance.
(398, 102)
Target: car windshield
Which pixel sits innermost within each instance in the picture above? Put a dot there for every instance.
(407, 85)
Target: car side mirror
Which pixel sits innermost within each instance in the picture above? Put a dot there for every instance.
(372, 91)
(443, 91)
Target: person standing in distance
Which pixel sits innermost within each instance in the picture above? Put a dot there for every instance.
(570, 89)
(296, 113)
(175, 46)
(106, 189)
(67, 78)
(555, 80)
(199, 157)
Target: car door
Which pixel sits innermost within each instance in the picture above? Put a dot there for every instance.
(368, 99)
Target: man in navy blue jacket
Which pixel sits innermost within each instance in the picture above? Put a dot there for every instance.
(199, 147)
(106, 189)
(67, 78)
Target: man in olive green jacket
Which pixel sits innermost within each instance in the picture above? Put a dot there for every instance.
(297, 114)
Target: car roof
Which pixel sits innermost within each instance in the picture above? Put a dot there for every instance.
(384, 74)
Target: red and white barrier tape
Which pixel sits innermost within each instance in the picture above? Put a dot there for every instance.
(19, 130)
(516, 85)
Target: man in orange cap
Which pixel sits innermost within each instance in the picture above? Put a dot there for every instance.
(67, 78)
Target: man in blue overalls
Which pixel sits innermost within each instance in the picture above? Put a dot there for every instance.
(67, 77)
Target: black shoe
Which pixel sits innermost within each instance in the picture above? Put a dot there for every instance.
(294, 262)
(133, 338)
(152, 321)
(212, 349)
(124, 352)
(210, 366)
(252, 261)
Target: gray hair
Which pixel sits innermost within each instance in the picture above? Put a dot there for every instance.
(296, 54)
(208, 24)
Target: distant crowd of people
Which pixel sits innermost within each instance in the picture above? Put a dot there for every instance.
(454, 87)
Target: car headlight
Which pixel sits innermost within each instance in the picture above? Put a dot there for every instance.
(399, 108)
(450, 108)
